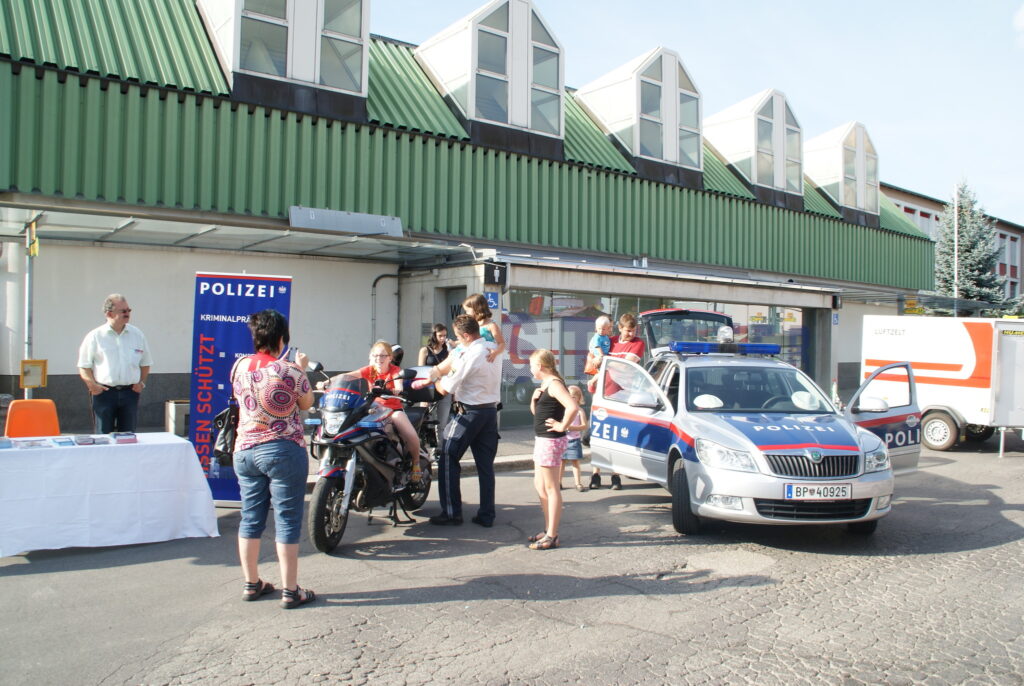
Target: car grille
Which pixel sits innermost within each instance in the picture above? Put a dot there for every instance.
(812, 509)
(801, 466)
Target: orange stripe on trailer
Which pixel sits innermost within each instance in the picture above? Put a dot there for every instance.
(929, 366)
(981, 376)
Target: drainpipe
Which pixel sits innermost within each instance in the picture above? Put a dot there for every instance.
(373, 306)
(31, 249)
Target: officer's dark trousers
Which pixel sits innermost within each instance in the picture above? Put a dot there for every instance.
(477, 430)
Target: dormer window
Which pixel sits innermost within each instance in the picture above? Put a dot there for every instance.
(761, 138)
(546, 92)
(843, 162)
(651, 106)
(492, 66)
(323, 42)
(517, 76)
(778, 147)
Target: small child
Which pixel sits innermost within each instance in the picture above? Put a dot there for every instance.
(476, 306)
(599, 346)
(574, 447)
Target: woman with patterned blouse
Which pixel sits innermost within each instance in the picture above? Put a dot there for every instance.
(270, 454)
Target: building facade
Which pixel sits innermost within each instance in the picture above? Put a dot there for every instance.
(927, 212)
(278, 137)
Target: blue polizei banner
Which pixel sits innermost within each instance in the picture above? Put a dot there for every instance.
(220, 335)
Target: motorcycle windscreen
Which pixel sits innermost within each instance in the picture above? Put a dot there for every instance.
(345, 393)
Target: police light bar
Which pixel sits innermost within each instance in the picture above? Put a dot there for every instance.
(701, 348)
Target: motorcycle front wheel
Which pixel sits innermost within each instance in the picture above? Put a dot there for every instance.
(326, 520)
(415, 494)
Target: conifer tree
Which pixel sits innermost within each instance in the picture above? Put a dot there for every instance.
(976, 248)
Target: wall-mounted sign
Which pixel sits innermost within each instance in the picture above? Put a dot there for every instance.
(495, 273)
(33, 374)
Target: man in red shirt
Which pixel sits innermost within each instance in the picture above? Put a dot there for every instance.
(627, 346)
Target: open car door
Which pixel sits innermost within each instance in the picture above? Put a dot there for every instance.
(900, 424)
(631, 422)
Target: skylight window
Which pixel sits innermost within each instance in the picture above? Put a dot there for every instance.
(652, 106)
(501, 65)
(316, 41)
(761, 138)
(843, 163)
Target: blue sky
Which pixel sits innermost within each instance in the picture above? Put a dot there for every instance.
(939, 85)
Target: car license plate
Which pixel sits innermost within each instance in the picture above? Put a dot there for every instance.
(818, 491)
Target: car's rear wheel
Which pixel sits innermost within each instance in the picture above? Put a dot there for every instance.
(939, 431)
(862, 528)
(683, 518)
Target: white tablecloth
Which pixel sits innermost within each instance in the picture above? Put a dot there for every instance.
(102, 495)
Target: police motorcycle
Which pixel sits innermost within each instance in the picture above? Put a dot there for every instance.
(363, 464)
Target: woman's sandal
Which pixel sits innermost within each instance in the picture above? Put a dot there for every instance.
(537, 537)
(546, 543)
(254, 590)
(300, 596)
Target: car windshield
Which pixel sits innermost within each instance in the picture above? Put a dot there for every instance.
(753, 389)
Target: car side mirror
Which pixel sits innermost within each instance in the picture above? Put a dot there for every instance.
(870, 404)
(644, 400)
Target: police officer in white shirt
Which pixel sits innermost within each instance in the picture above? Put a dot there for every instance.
(114, 362)
(476, 384)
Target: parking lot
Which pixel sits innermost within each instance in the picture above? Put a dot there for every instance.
(935, 596)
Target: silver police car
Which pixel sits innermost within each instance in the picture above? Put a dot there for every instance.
(736, 434)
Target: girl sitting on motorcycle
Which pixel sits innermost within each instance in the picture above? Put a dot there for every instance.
(381, 369)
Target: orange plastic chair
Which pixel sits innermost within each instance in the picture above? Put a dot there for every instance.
(32, 418)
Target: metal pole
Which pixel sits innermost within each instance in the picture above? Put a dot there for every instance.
(956, 248)
(30, 237)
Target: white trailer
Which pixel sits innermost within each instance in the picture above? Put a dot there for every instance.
(969, 372)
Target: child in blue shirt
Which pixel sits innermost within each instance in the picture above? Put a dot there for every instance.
(600, 343)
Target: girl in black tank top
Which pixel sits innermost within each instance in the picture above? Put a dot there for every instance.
(553, 409)
(547, 407)
(436, 350)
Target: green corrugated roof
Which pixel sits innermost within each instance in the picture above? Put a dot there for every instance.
(401, 95)
(585, 142)
(815, 202)
(718, 177)
(85, 141)
(162, 43)
(894, 219)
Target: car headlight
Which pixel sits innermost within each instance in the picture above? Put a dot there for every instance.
(332, 421)
(714, 455)
(876, 460)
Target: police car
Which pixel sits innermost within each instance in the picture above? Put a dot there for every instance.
(735, 434)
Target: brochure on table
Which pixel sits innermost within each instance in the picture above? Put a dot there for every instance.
(121, 437)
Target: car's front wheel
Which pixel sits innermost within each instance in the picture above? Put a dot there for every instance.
(683, 518)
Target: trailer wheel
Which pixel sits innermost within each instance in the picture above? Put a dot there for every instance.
(977, 433)
(939, 431)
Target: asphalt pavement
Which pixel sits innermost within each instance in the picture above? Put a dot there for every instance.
(935, 596)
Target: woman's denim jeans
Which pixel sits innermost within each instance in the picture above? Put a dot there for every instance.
(272, 473)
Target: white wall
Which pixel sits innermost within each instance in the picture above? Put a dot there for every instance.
(330, 307)
(851, 327)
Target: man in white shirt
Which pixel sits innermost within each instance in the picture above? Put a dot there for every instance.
(476, 384)
(114, 362)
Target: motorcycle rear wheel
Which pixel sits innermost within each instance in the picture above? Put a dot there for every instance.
(415, 494)
(326, 521)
